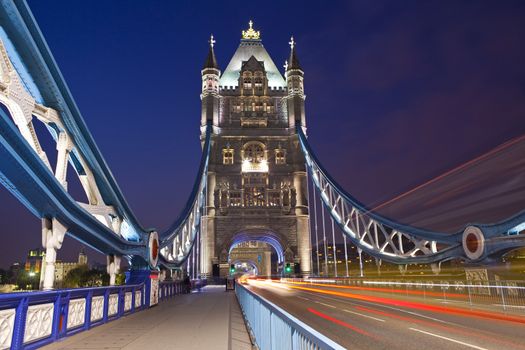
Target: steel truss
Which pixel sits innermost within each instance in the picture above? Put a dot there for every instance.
(178, 241)
(388, 240)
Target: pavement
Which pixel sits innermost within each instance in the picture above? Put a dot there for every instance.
(362, 319)
(210, 319)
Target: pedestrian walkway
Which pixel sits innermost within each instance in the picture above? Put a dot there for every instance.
(210, 319)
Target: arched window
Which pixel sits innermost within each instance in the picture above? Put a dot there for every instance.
(254, 157)
(227, 156)
(254, 152)
(247, 80)
(280, 156)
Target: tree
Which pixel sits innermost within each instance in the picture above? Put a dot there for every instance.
(82, 276)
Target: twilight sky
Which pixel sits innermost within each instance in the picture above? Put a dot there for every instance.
(397, 91)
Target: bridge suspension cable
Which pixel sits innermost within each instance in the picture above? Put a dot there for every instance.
(178, 242)
(388, 240)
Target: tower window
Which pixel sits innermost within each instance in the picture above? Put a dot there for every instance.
(227, 156)
(280, 156)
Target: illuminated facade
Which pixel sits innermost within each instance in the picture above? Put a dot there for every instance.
(257, 189)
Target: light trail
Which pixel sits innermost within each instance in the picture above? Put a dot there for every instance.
(339, 322)
(418, 306)
(372, 289)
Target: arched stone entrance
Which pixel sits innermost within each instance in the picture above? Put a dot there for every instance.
(256, 245)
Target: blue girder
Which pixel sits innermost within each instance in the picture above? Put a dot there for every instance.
(498, 239)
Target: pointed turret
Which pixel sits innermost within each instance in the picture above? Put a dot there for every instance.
(211, 61)
(295, 85)
(210, 87)
(293, 62)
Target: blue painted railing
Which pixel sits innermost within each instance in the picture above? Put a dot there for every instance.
(32, 319)
(274, 328)
(168, 289)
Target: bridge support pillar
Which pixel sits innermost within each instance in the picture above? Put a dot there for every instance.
(113, 268)
(207, 248)
(268, 263)
(64, 147)
(53, 233)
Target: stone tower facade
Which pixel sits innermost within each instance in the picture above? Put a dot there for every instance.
(257, 181)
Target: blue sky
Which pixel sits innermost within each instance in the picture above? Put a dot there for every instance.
(397, 92)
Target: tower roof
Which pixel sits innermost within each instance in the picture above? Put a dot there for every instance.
(293, 62)
(211, 61)
(251, 45)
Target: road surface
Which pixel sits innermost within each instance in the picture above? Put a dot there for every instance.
(361, 319)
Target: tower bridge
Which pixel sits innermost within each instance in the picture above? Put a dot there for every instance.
(258, 199)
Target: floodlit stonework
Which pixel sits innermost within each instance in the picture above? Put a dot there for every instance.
(257, 181)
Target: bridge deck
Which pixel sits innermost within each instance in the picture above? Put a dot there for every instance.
(210, 319)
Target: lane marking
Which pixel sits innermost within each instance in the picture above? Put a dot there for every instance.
(515, 306)
(333, 307)
(357, 313)
(303, 298)
(339, 322)
(385, 306)
(449, 339)
(344, 300)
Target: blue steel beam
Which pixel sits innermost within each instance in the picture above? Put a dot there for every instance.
(391, 241)
(25, 175)
(21, 28)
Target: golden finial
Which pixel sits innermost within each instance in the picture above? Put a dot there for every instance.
(212, 41)
(251, 34)
(292, 43)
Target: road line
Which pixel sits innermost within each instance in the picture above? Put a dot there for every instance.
(346, 301)
(333, 307)
(303, 298)
(357, 313)
(515, 306)
(449, 339)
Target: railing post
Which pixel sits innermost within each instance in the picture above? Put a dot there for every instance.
(61, 314)
(502, 296)
(121, 301)
(133, 291)
(20, 323)
(87, 316)
(105, 308)
(58, 318)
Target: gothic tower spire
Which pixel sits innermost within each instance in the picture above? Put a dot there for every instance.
(293, 62)
(211, 61)
(210, 88)
(295, 85)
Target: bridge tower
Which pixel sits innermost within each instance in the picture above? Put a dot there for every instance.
(257, 181)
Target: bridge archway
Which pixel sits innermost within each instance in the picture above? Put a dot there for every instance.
(268, 237)
(266, 248)
(247, 266)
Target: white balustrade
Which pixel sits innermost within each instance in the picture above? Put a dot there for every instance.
(76, 313)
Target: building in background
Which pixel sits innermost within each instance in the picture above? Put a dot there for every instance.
(63, 268)
(33, 263)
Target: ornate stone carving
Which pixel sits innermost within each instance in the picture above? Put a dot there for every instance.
(76, 313)
(138, 298)
(112, 304)
(154, 295)
(97, 308)
(39, 321)
(127, 301)
(7, 322)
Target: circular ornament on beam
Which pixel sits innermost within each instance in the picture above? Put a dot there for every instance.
(473, 242)
(153, 249)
